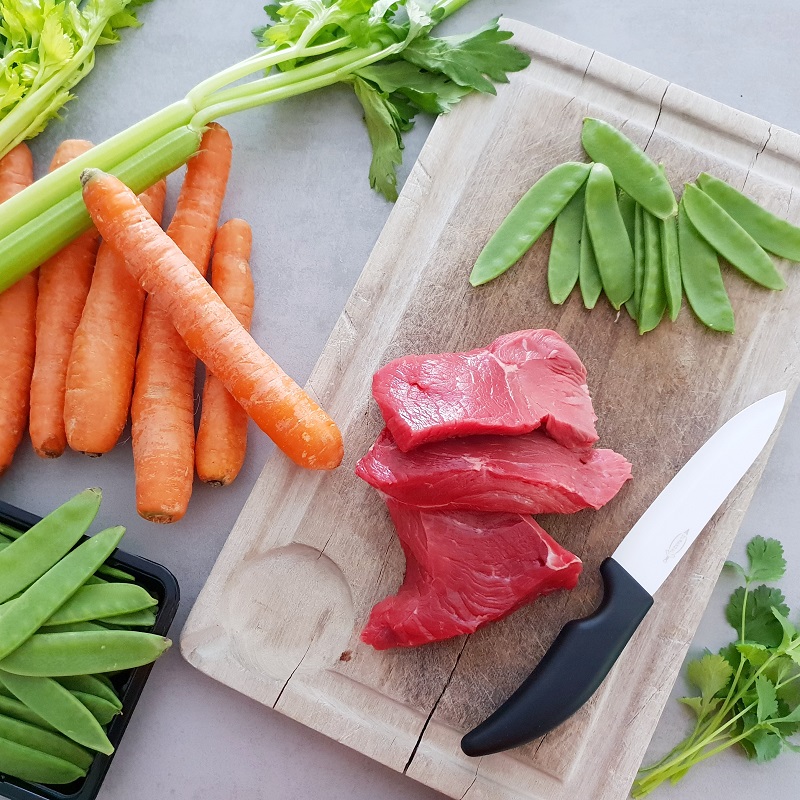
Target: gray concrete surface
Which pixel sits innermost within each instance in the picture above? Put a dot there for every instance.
(299, 174)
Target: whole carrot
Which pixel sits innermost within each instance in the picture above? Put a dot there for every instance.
(17, 323)
(222, 435)
(101, 364)
(162, 411)
(285, 412)
(64, 282)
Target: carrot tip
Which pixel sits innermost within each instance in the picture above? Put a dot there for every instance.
(88, 174)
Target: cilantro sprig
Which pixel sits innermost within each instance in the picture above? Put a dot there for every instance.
(749, 692)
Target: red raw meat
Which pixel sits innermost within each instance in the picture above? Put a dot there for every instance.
(522, 381)
(464, 569)
(528, 474)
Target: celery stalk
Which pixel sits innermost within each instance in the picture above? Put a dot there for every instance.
(311, 44)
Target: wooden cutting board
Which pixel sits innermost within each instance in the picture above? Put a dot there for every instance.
(280, 615)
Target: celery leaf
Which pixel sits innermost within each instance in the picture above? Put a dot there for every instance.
(472, 60)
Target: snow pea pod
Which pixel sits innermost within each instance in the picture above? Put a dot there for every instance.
(137, 619)
(75, 627)
(771, 232)
(99, 601)
(46, 543)
(60, 708)
(100, 709)
(528, 220)
(54, 744)
(90, 684)
(21, 618)
(36, 766)
(633, 170)
(563, 266)
(653, 300)
(60, 654)
(610, 242)
(589, 274)
(12, 707)
(627, 209)
(730, 239)
(671, 265)
(702, 277)
(638, 261)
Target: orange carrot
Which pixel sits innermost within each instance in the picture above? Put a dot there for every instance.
(101, 364)
(162, 411)
(64, 282)
(222, 435)
(210, 329)
(17, 323)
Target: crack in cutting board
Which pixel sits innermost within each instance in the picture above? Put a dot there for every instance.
(280, 614)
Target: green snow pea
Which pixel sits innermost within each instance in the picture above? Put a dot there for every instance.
(12, 707)
(99, 601)
(633, 170)
(100, 709)
(137, 619)
(45, 741)
(632, 305)
(12, 534)
(528, 220)
(771, 232)
(36, 766)
(589, 274)
(653, 301)
(75, 627)
(730, 239)
(563, 266)
(702, 277)
(627, 209)
(671, 265)
(22, 617)
(46, 543)
(60, 654)
(60, 708)
(90, 684)
(610, 242)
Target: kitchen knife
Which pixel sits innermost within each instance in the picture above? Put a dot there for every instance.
(585, 650)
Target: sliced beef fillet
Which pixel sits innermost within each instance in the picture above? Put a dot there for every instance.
(528, 474)
(522, 381)
(463, 570)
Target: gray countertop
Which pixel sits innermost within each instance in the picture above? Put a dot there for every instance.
(299, 175)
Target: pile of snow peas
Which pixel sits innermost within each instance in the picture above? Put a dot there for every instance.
(67, 620)
(619, 231)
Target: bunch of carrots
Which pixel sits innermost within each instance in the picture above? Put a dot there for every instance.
(112, 327)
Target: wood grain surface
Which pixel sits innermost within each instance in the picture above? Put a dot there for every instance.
(280, 615)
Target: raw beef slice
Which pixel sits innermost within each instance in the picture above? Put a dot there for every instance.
(520, 382)
(464, 569)
(528, 474)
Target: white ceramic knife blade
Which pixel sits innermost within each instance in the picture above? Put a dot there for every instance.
(677, 516)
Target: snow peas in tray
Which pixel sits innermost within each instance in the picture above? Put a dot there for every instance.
(80, 626)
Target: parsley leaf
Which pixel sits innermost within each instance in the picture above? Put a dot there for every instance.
(472, 60)
(750, 690)
(766, 560)
(385, 120)
(755, 608)
(710, 674)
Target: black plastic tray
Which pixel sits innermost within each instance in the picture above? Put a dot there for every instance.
(161, 583)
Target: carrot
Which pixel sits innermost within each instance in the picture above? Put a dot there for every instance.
(162, 411)
(17, 323)
(64, 282)
(222, 435)
(101, 364)
(286, 413)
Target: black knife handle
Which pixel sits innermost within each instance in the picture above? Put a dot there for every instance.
(570, 671)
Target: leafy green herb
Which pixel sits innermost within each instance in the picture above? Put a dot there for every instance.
(46, 48)
(382, 48)
(749, 692)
